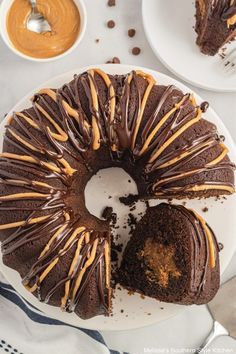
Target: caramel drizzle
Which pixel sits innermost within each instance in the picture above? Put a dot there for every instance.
(175, 174)
(210, 239)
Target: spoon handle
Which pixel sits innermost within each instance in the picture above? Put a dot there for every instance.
(33, 4)
(217, 331)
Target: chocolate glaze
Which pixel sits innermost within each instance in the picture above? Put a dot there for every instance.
(223, 9)
(197, 233)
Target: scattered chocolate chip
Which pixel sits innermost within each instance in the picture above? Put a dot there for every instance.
(132, 222)
(122, 311)
(97, 40)
(222, 138)
(205, 210)
(204, 106)
(221, 246)
(136, 51)
(111, 24)
(114, 60)
(111, 3)
(131, 32)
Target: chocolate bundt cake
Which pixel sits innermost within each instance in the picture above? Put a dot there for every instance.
(172, 256)
(215, 24)
(156, 133)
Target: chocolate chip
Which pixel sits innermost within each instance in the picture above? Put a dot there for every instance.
(111, 3)
(114, 60)
(221, 246)
(97, 40)
(131, 32)
(111, 24)
(136, 51)
(204, 106)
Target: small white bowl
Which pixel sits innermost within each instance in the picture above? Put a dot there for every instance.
(4, 8)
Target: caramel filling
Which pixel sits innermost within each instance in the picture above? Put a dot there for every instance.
(159, 259)
(63, 17)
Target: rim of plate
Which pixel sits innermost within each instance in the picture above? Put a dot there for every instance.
(170, 68)
(112, 68)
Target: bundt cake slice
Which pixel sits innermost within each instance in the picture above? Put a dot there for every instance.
(172, 256)
(215, 24)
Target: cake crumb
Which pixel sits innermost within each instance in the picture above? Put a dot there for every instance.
(129, 200)
(130, 292)
(107, 213)
(142, 296)
(205, 209)
(132, 222)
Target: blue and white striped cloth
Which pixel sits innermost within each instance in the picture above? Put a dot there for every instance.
(26, 330)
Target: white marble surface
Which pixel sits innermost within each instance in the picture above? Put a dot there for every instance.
(17, 77)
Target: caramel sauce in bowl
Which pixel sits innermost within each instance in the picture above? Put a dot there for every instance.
(67, 19)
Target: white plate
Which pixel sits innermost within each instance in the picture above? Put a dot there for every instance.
(137, 312)
(169, 28)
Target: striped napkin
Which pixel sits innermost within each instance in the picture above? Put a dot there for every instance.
(26, 330)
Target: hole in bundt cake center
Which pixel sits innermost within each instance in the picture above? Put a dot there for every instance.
(105, 188)
(160, 262)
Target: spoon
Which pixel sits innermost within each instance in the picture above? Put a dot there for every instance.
(36, 21)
